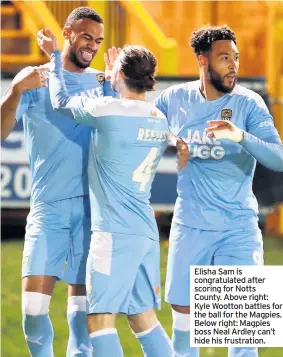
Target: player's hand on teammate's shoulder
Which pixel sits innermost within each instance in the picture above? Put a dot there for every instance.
(224, 129)
(33, 77)
(47, 41)
(109, 59)
(183, 153)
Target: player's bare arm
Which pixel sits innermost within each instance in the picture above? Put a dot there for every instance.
(33, 78)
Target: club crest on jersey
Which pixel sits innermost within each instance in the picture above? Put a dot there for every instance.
(100, 77)
(226, 114)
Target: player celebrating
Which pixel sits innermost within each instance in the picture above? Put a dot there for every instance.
(58, 225)
(227, 128)
(131, 135)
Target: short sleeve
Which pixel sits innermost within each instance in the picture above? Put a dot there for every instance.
(171, 103)
(28, 98)
(162, 102)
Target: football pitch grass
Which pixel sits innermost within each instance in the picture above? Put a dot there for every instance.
(13, 344)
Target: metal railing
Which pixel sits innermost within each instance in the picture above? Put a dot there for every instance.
(164, 48)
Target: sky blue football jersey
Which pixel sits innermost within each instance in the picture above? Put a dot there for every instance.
(58, 147)
(125, 149)
(128, 140)
(215, 189)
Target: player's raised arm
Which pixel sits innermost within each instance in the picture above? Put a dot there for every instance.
(76, 107)
(109, 59)
(261, 139)
(16, 100)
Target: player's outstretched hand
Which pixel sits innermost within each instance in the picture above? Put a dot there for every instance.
(36, 77)
(183, 153)
(224, 129)
(47, 41)
(109, 59)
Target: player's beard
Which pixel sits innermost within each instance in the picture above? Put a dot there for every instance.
(73, 58)
(218, 82)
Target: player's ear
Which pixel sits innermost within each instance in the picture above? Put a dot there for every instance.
(202, 61)
(120, 75)
(67, 32)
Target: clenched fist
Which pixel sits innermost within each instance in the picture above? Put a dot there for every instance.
(35, 77)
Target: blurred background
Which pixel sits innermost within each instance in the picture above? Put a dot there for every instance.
(165, 28)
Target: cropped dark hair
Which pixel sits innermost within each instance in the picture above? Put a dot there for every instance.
(203, 38)
(138, 65)
(83, 13)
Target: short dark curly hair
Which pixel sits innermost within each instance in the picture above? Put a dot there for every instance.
(203, 38)
(83, 13)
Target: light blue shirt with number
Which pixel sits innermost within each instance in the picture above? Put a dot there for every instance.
(125, 150)
(126, 146)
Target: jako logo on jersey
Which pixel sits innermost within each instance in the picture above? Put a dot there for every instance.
(226, 114)
(204, 151)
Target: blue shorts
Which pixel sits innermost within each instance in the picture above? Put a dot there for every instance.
(57, 240)
(189, 246)
(123, 274)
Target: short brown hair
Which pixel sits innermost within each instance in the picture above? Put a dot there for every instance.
(138, 65)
